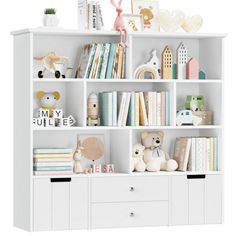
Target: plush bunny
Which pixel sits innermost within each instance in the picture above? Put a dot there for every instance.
(119, 24)
(77, 158)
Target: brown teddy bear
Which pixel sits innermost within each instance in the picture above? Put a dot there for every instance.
(155, 157)
(147, 16)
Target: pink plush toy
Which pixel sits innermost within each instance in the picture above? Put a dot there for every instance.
(119, 23)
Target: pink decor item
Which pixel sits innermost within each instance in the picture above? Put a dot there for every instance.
(192, 69)
(119, 24)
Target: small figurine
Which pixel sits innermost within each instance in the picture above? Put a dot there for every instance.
(152, 67)
(195, 103)
(93, 116)
(77, 158)
(119, 24)
(166, 65)
(192, 69)
(52, 63)
(186, 117)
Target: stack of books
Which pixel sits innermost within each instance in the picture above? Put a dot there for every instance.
(197, 154)
(134, 108)
(89, 15)
(53, 161)
(101, 61)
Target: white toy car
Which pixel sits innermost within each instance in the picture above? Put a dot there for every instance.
(186, 117)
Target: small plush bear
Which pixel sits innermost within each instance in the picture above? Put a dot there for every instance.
(48, 100)
(137, 163)
(155, 157)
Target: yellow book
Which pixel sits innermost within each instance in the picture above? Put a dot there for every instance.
(54, 155)
(143, 120)
(211, 154)
(120, 62)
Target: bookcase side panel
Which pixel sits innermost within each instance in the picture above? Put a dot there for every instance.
(22, 131)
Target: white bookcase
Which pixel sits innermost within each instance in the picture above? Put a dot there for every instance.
(124, 198)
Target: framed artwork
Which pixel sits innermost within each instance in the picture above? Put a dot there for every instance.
(149, 10)
(133, 23)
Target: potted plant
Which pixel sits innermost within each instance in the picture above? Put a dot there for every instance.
(50, 18)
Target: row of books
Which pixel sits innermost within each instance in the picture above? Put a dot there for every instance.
(52, 161)
(134, 108)
(101, 61)
(197, 154)
(89, 15)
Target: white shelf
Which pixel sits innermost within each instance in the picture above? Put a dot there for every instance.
(45, 80)
(160, 173)
(68, 32)
(129, 128)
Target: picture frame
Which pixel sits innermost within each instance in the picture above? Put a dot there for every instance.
(149, 11)
(133, 22)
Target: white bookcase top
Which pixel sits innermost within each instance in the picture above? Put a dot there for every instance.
(61, 31)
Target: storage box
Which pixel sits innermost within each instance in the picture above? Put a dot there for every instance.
(207, 117)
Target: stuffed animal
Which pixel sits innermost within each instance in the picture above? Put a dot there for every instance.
(48, 100)
(77, 158)
(155, 157)
(137, 163)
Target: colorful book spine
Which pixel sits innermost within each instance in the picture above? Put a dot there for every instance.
(93, 71)
(142, 111)
(131, 113)
(105, 61)
(121, 103)
(111, 61)
(90, 60)
(100, 61)
(136, 109)
(158, 115)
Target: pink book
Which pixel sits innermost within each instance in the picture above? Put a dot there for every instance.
(163, 108)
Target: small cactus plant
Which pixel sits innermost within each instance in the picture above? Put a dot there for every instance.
(50, 11)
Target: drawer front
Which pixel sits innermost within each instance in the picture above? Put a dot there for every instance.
(129, 214)
(121, 189)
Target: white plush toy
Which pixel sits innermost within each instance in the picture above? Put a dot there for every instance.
(137, 163)
(77, 158)
(155, 157)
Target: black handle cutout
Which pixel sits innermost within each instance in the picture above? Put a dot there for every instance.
(58, 180)
(196, 176)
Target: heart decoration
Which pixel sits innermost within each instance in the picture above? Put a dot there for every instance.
(170, 21)
(192, 24)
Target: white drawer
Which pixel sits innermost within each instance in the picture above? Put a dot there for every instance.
(124, 189)
(109, 215)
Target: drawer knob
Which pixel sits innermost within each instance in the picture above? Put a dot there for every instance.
(131, 214)
(131, 189)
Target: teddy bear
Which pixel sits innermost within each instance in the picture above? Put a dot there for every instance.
(155, 157)
(48, 100)
(137, 163)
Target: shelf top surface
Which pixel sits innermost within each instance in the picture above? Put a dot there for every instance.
(68, 32)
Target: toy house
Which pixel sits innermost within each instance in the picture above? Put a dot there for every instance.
(166, 63)
(192, 69)
(182, 58)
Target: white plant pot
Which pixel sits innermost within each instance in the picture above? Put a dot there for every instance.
(50, 20)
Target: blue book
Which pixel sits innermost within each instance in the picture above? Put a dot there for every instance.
(51, 168)
(90, 61)
(114, 108)
(111, 60)
(52, 150)
(107, 108)
(131, 114)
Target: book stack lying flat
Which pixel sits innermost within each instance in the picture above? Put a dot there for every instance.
(53, 161)
(197, 154)
(101, 61)
(134, 108)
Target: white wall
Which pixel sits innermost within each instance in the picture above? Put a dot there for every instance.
(219, 16)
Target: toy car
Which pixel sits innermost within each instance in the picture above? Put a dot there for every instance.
(195, 103)
(186, 117)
